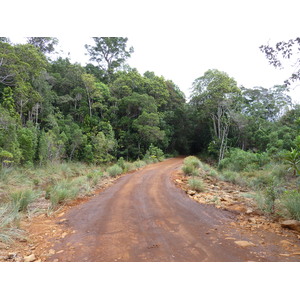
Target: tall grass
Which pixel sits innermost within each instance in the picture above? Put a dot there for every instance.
(291, 202)
(9, 218)
(196, 184)
(21, 199)
(63, 191)
(114, 170)
(191, 166)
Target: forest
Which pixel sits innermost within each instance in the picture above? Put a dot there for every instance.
(55, 111)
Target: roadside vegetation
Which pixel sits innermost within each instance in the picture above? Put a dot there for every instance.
(27, 191)
(272, 183)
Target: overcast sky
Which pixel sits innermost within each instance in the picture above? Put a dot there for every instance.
(179, 40)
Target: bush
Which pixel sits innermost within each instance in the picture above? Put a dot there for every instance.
(114, 170)
(291, 201)
(196, 184)
(121, 163)
(239, 160)
(154, 154)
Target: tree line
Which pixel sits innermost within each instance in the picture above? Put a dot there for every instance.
(54, 110)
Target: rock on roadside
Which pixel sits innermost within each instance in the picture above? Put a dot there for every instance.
(291, 224)
(244, 244)
(29, 258)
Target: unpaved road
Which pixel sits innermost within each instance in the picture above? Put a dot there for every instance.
(145, 217)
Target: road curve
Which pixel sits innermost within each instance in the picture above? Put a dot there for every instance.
(145, 217)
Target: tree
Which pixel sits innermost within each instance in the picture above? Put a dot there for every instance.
(109, 53)
(44, 44)
(216, 93)
(281, 51)
(5, 40)
(8, 101)
(92, 91)
(147, 126)
(267, 104)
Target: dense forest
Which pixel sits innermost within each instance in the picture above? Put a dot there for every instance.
(55, 110)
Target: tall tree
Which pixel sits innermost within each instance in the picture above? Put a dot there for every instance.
(44, 44)
(216, 93)
(109, 53)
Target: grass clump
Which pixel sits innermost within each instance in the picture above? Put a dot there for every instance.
(63, 191)
(114, 170)
(9, 218)
(192, 161)
(139, 164)
(190, 170)
(94, 176)
(191, 166)
(196, 184)
(291, 202)
(21, 199)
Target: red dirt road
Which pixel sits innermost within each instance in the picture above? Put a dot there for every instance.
(145, 217)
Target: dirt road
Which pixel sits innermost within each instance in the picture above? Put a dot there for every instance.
(145, 217)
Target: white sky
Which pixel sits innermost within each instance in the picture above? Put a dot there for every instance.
(179, 40)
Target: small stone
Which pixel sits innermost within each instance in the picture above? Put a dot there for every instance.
(244, 244)
(51, 252)
(29, 258)
(286, 243)
(291, 224)
(252, 220)
(12, 255)
(64, 235)
(191, 193)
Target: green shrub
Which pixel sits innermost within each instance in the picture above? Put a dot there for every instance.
(154, 154)
(196, 184)
(114, 170)
(121, 163)
(291, 201)
(21, 199)
(239, 160)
